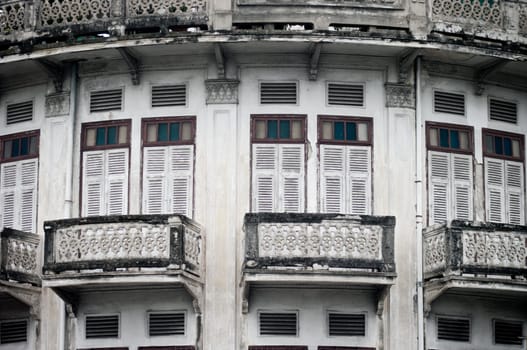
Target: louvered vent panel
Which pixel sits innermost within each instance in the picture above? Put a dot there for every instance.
(107, 100)
(455, 329)
(447, 102)
(13, 331)
(278, 93)
(166, 323)
(19, 112)
(172, 95)
(345, 94)
(507, 332)
(347, 324)
(503, 111)
(284, 323)
(102, 326)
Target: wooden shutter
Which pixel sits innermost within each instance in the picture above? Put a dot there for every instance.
(28, 194)
(291, 178)
(438, 186)
(514, 192)
(117, 182)
(332, 177)
(9, 173)
(265, 159)
(495, 190)
(359, 172)
(462, 186)
(93, 183)
(154, 177)
(180, 181)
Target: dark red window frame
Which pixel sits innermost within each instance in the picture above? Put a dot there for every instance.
(450, 127)
(345, 119)
(105, 124)
(278, 117)
(516, 137)
(20, 135)
(277, 347)
(145, 122)
(173, 347)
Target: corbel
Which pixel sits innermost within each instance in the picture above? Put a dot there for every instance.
(245, 296)
(133, 63)
(220, 60)
(314, 60)
(481, 74)
(406, 63)
(195, 290)
(71, 300)
(55, 71)
(382, 295)
(430, 295)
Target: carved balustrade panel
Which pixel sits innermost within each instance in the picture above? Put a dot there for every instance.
(434, 252)
(325, 240)
(522, 25)
(164, 7)
(12, 17)
(193, 246)
(494, 249)
(21, 255)
(488, 12)
(68, 12)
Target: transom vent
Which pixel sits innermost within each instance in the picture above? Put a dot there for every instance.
(166, 323)
(169, 95)
(345, 94)
(13, 331)
(278, 93)
(102, 326)
(19, 112)
(278, 323)
(447, 102)
(503, 111)
(341, 324)
(508, 332)
(106, 100)
(455, 329)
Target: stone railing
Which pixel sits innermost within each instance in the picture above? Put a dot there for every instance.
(115, 242)
(20, 251)
(13, 16)
(319, 241)
(492, 249)
(522, 25)
(486, 12)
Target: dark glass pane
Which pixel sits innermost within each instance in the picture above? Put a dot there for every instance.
(101, 137)
(162, 132)
(443, 137)
(351, 131)
(272, 129)
(174, 131)
(24, 146)
(285, 129)
(33, 145)
(338, 130)
(15, 148)
(112, 135)
(507, 146)
(7, 149)
(498, 145)
(454, 139)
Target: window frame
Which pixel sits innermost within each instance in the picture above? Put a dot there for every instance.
(449, 126)
(336, 118)
(15, 136)
(504, 134)
(279, 117)
(158, 120)
(105, 124)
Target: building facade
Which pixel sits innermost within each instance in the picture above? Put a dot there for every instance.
(263, 175)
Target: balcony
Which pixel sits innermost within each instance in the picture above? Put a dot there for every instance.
(19, 256)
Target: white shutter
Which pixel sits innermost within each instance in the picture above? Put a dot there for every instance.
(180, 180)
(438, 186)
(28, 194)
(359, 173)
(93, 183)
(291, 178)
(117, 181)
(495, 190)
(265, 159)
(332, 176)
(155, 161)
(8, 185)
(514, 192)
(462, 186)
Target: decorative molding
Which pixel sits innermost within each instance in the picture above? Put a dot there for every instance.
(193, 247)
(222, 91)
(12, 17)
(486, 11)
(434, 252)
(399, 95)
(21, 255)
(57, 104)
(54, 13)
(138, 8)
(494, 249)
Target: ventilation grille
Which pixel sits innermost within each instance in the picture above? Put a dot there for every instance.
(447, 102)
(507, 332)
(172, 95)
(503, 111)
(19, 112)
(107, 100)
(165, 323)
(345, 94)
(13, 331)
(102, 326)
(278, 93)
(283, 323)
(347, 324)
(456, 329)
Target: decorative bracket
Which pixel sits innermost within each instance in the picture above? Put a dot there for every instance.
(220, 60)
(430, 295)
(482, 73)
(54, 70)
(132, 62)
(406, 62)
(313, 60)
(71, 301)
(245, 296)
(382, 295)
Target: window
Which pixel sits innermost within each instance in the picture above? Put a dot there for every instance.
(166, 323)
(345, 164)
(450, 174)
(278, 323)
(102, 326)
(278, 158)
(504, 184)
(347, 325)
(453, 328)
(168, 165)
(508, 332)
(13, 331)
(105, 166)
(19, 180)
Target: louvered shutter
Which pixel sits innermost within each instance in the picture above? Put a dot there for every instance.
(495, 190)
(117, 182)
(514, 192)
(438, 191)
(154, 178)
(28, 194)
(359, 172)
(265, 161)
(291, 178)
(8, 184)
(332, 171)
(180, 183)
(93, 183)
(462, 186)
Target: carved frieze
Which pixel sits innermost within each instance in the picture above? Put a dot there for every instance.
(73, 11)
(164, 7)
(399, 95)
(57, 104)
(485, 11)
(12, 17)
(192, 244)
(222, 91)
(21, 255)
(434, 252)
(494, 249)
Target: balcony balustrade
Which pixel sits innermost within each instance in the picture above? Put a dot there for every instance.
(19, 256)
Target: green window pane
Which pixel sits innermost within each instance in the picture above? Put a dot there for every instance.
(285, 129)
(24, 146)
(101, 137)
(454, 139)
(174, 131)
(112, 135)
(488, 144)
(33, 145)
(338, 130)
(8, 146)
(498, 145)
(15, 148)
(507, 146)
(272, 129)
(443, 137)
(351, 131)
(162, 132)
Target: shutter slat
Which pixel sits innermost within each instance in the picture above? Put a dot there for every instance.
(160, 324)
(19, 112)
(97, 326)
(291, 177)
(265, 177)
(154, 178)
(13, 331)
(504, 111)
(8, 185)
(514, 192)
(345, 94)
(453, 329)
(447, 102)
(278, 93)
(359, 175)
(462, 171)
(182, 169)
(278, 323)
(172, 95)
(439, 169)
(495, 189)
(106, 100)
(508, 332)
